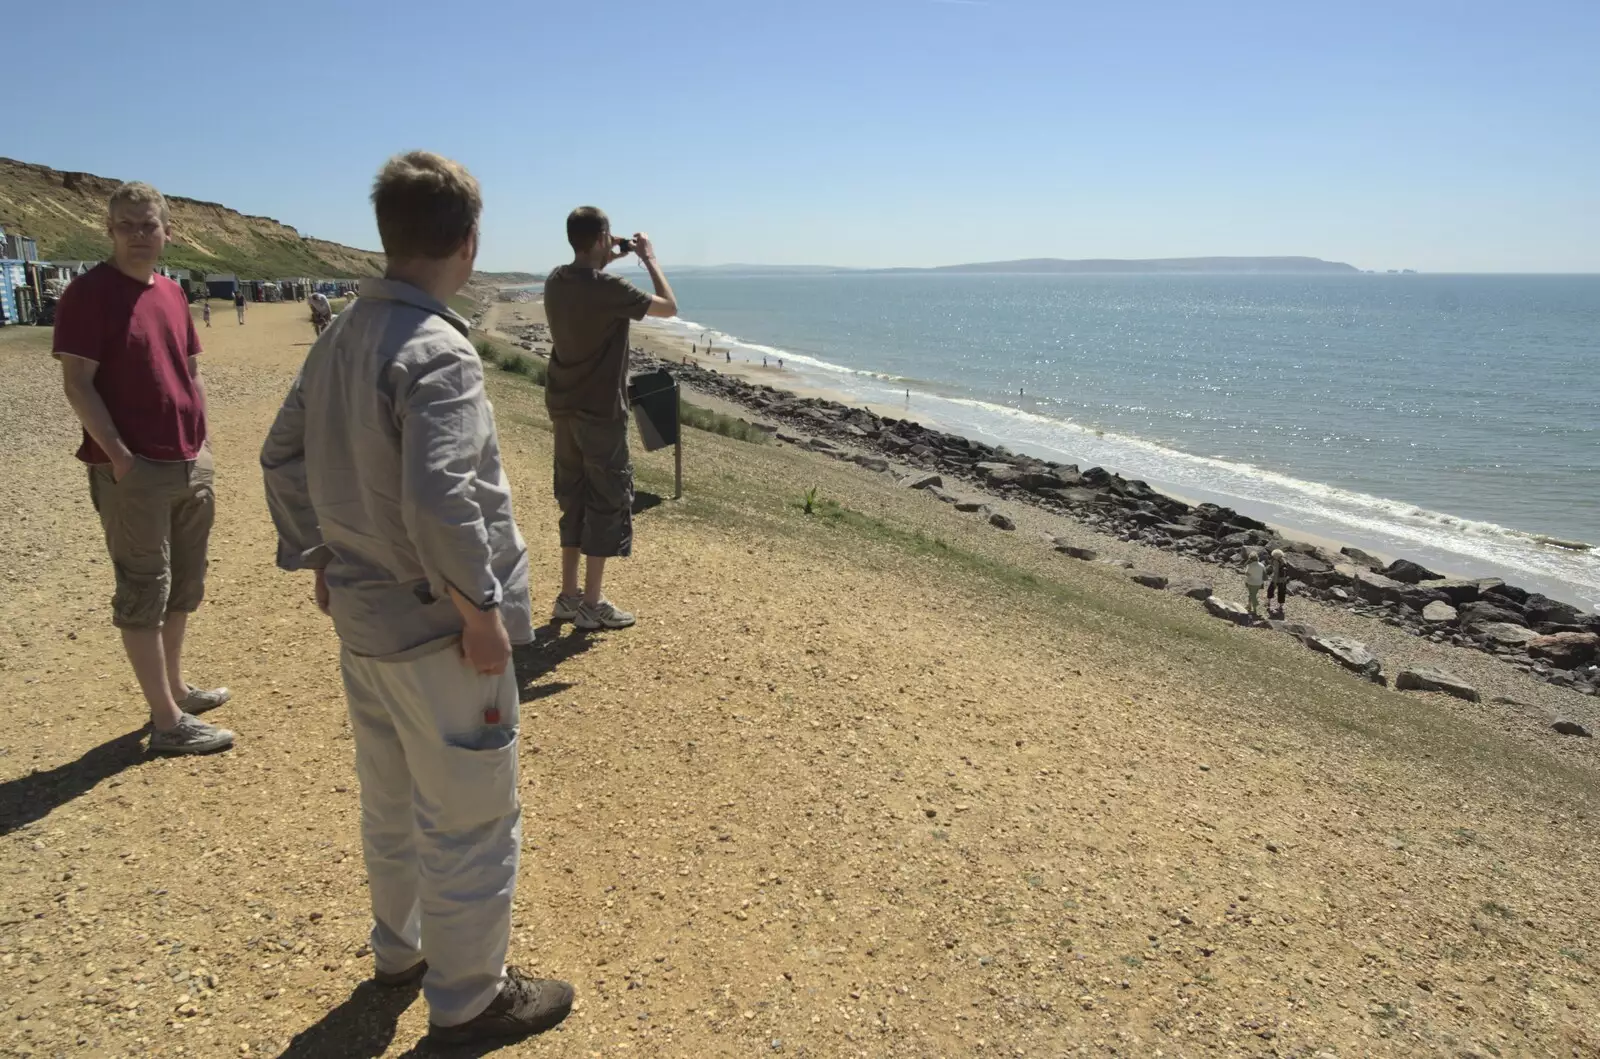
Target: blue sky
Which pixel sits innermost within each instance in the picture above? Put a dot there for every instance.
(1441, 136)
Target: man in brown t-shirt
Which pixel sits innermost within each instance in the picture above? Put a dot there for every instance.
(586, 392)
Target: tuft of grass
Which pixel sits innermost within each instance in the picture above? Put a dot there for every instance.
(691, 415)
(1495, 908)
(808, 502)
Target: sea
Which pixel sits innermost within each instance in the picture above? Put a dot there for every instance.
(1449, 419)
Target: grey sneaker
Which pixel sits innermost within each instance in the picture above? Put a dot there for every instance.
(566, 608)
(525, 1005)
(199, 700)
(190, 736)
(602, 616)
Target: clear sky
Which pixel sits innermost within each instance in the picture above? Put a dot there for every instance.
(1453, 135)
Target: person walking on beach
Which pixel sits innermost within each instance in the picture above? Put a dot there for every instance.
(205, 311)
(1277, 581)
(130, 363)
(1254, 576)
(586, 393)
(238, 303)
(383, 475)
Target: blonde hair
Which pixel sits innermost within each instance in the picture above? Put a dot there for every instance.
(427, 206)
(138, 193)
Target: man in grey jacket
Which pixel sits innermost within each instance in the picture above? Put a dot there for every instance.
(383, 475)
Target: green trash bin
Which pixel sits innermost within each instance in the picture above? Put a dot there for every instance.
(654, 397)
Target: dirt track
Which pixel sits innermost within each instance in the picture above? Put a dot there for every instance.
(836, 795)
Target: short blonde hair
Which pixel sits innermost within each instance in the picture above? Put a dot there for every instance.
(138, 193)
(427, 206)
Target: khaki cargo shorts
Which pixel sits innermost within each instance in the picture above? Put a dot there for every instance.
(158, 525)
(594, 485)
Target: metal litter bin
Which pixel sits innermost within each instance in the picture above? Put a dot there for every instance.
(654, 397)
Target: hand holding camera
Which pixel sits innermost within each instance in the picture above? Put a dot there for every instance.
(640, 244)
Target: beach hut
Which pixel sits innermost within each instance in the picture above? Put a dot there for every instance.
(12, 279)
(222, 285)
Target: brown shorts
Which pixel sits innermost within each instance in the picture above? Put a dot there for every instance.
(158, 525)
(594, 485)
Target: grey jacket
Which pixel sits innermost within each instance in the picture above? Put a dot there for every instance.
(383, 470)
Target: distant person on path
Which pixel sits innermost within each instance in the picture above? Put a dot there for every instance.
(130, 360)
(321, 311)
(586, 393)
(383, 475)
(1277, 581)
(238, 303)
(205, 311)
(1254, 577)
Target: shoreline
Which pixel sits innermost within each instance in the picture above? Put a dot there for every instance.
(1486, 614)
(1476, 549)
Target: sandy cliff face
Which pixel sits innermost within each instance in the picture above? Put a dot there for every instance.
(65, 213)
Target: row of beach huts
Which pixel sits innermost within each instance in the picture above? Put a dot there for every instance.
(30, 288)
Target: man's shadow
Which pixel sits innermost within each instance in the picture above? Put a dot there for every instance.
(536, 660)
(38, 794)
(643, 502)
(360, 1028)
(364, 1026)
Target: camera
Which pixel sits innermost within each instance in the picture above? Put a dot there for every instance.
(625, 245)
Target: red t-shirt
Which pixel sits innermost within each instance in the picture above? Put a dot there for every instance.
(142, 336)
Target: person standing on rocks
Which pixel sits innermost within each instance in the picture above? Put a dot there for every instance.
(383, 475)
(1277, 581)
(129, 357)
(586, 393)
(1255, 575)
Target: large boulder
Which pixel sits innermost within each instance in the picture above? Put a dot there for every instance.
(1565, 727)
(1461, 590)
(1410, 573)
(1352, 654)
(1375, 587)
(1482, 611)
(1361, 558)
(1149, 580)
(1566, 650)
(1194, 589)
(1303, 567)
(1503, 632)
(921, 481)
(1544, 609)
(1088, 555)
(1429, 678)
(1519, 596)
(999, 521)
(1228, 610)
(872, 463)
(1439, 613)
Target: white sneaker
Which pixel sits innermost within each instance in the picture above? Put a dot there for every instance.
(602, 616)
(566, 608)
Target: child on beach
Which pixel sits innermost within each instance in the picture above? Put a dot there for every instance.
(205, 311)
(1255, 575)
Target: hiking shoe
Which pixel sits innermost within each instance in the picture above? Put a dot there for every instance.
(566, 608)
(400, 979)
(525, 1005)
(602, 616)
(198, 700)
(190, 736)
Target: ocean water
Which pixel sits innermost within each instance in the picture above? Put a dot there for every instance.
(1450, 419)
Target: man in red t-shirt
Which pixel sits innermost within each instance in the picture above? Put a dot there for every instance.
(128, 350)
